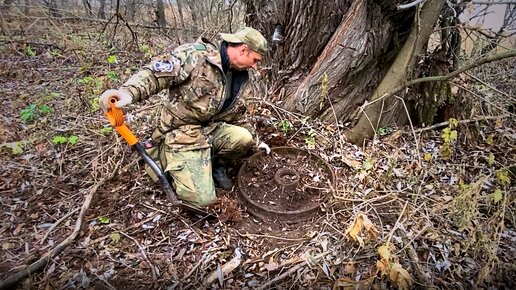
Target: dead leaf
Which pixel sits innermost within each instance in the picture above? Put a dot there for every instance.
(349, 284)
(344, 284)
(354, 230)
(370, 228)
(395, 271)
(350, 268)
(17, 230)
(400, 276)
(384, 252)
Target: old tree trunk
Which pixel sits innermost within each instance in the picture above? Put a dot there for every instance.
(354, 44)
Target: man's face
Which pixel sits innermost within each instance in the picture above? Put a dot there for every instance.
(246, 58)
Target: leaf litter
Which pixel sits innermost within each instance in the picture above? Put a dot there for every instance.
(459, 217)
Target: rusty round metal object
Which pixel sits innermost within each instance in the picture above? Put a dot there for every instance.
(288, 179)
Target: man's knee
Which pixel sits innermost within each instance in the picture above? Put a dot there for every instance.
(240, 139)
(191, 172)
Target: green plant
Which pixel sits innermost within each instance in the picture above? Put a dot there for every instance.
(310, 139)
(384, 131)
(16, 147)
(449, 136)
(285, 126)
(33, 111)
(112, 76)
(93, 87)
(60, 139)
(29, 51)
(103, 220)
(50, 97)
(112, 59)
(147, 50)
(106, 130)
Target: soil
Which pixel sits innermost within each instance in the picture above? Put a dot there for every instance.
(286, 182)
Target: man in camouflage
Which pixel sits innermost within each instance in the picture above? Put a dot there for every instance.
(202, 123)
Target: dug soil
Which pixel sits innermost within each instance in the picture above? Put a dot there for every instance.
(285, 182)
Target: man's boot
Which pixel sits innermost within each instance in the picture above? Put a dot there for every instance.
(220, 176)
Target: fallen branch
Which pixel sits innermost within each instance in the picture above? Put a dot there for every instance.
(136, 225)
(57, 223)
(224, 270)
(145, 257)
(32, 268)
(444, 124)
(411, 253)
(291, 271)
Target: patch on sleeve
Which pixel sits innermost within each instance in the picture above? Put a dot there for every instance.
(163, 66)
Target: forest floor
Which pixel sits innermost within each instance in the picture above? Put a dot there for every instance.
(411, 209)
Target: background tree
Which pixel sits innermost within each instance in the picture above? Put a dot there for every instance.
(102, 8)
(358, 51)
(160, 14)
(7, 5)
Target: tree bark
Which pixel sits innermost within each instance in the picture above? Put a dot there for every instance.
(352, 42)
(398, 73)
(87, 7)
(7, 5)
(131, 9)
(26, 9)
(160, 14)
(102, 9)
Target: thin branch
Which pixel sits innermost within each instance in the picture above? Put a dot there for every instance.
(145, 257)
(291, 271)
(57, 223)
(412, 127)
(444, 124)
(41, 262)
(409, 5)
(478, 62)
(224, 269)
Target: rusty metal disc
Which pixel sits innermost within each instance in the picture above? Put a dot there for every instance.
(287, 185)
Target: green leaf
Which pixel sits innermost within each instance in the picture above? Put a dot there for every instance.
(491, 159)
(453, 135)
(16, 147)
(106, 130)
(112, 75)
(115, 237)
(112, 59)
(29, 113)
(453, 123)
(44, 109)
(368, 164)
(29, 52)
(490, 139)
(103, 220)
(59, 139)
(503, 177)
(428, 157)
(73, 139)
(285, 126)
(497, 195)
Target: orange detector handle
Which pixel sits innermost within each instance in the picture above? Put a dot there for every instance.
(116, 118)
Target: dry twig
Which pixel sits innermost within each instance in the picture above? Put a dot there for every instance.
(41, 262)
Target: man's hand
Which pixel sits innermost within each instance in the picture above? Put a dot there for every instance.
(124, 98)
(265, 147)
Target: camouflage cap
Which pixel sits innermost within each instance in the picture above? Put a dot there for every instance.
(250, 36)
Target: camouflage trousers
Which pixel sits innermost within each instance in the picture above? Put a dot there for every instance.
(185, 154)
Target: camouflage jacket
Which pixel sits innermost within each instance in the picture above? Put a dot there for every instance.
(196, 85)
